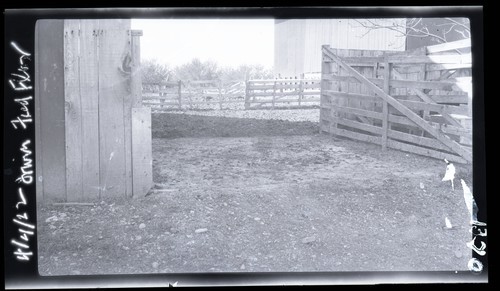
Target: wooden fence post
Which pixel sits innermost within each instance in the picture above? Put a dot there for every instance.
(301, 90)
(247, 95)
(385, 105)
(274, 93)
(326, 111)
(179, 90)
(220, 94)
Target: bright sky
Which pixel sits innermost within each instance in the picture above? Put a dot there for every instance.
(229, 42)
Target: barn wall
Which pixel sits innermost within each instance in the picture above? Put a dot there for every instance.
(298, 42)
(289, 47)
(95, 110)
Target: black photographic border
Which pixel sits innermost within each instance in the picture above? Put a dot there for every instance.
(20, 29)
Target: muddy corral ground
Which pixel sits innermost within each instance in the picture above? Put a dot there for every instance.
(230, 196)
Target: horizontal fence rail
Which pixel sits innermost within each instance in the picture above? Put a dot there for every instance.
(417, 101)
(215, 94)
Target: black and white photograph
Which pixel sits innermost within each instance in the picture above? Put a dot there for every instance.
(253, 145)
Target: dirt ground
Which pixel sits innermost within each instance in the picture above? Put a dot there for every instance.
(265, 196)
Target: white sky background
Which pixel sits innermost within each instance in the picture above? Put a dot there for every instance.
(229, 42)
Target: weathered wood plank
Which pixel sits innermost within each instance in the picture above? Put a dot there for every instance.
(432, 59)
(357, 136)
(73, 112)
(90, 113)
(448, 46)
(142, 160)
(418, 140)
(113, 42)
(358, 125)
(425, 152)
(325, 113)
(440, 108)
(385, 106)
(400, 107)
(441, 67)
(136, 80)
(357, 111)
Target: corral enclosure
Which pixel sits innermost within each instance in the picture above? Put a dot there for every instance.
(418, 101)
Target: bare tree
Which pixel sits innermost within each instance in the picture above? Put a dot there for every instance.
(154, 72)
(441, 31)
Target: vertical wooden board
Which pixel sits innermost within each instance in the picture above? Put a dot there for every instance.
(127, 120)
(73, 110)
(49, 75)
(90, 113)
(142, 160)
(112, 43)
(136, 82)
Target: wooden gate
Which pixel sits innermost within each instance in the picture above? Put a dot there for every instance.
(418, 101)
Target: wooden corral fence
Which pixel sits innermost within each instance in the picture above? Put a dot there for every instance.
(192, 94)
(271, 93)
(252, 94)
(93, 136)
(417, 101)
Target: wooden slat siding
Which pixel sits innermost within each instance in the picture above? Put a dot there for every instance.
(50, 103)
(464, 43)
(425, 152)
(113, 168)
(141, 151)
(325, 114)
(422, 141)
(410, 114)
(73, 112)
(90, 114)
(357, 136)
(432, 59)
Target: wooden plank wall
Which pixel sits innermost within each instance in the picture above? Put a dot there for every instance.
(49, 111)
(86, 114)
(412, 81)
